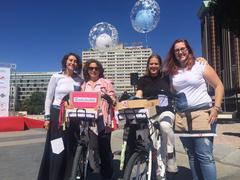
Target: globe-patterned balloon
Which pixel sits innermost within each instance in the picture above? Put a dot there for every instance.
(103, 36)
(145, 15)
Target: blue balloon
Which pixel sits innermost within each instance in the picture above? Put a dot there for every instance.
(145, 15)
(144, 19)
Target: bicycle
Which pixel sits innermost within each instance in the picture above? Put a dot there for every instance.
(140, 164)
(85, 120)
(140, 149)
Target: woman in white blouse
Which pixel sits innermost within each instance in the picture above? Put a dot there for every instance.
(56, 163)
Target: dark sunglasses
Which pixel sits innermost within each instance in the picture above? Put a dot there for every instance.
(91, 68)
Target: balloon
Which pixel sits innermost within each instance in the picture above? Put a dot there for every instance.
(103, 41)
(144, 19)
(145, 15)
(103, 36)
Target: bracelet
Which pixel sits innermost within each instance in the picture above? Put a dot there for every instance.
(219, 109)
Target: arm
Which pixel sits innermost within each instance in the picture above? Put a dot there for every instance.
(111, 92)
(139, 92)
(48, 101)
(212, 78)
(50, 94)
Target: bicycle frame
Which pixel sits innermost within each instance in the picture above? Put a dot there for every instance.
(85, 120)
(133, 116)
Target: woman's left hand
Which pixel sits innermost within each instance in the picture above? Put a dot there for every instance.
(46, 124)
(202, 60)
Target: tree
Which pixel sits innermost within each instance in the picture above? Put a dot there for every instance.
(34, 104)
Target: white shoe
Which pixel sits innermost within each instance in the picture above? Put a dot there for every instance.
(161, 170)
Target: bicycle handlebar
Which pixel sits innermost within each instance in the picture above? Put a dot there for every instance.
(83, 117)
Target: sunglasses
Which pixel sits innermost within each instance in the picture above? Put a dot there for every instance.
(93, 68)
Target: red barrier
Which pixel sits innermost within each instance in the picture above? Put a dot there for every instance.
(19, 123)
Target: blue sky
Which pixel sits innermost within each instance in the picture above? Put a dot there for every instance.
(35, 34)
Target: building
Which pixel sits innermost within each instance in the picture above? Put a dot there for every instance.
(23, 84)
(119, 63)
(221, 47)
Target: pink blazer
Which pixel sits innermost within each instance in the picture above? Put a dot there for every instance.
(105, 87)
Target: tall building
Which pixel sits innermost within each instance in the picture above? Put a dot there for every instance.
(23, 84)
(120, 62)
(221, 46)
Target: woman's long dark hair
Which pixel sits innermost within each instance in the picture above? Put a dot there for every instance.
(86, 66)
(78, 69)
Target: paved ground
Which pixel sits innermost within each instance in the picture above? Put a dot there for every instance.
(20, 153)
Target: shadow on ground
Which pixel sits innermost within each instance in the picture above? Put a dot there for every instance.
(116, 172)
(232, 134)
(183, 173)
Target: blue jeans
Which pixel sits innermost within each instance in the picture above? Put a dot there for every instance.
(200, 155)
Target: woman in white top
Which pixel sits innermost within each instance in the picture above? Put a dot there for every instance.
(189, 80)
(56, 163)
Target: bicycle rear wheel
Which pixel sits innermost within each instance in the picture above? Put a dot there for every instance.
(80, 163)
(137, 167)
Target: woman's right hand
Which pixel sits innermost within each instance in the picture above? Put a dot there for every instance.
(108, 129)
(46, 124)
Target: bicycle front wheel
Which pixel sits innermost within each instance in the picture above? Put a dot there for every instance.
(137, 167)
(80, 163)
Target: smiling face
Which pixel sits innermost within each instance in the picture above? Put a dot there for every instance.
(154, 66)
(93, 71)
(181, 53)
(71, 64)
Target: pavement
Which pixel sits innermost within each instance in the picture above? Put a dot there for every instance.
(226, 144)
(26, 147)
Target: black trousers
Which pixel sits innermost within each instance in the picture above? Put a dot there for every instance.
(105, 153)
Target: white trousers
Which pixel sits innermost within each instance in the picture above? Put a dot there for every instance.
(166, 144)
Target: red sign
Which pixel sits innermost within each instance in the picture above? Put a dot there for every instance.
(85, 99)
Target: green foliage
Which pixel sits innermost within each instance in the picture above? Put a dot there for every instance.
(34, 104)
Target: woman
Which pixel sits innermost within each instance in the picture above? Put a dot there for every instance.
(152, 84)
(95, 82)
(56, 162)
(189, 79)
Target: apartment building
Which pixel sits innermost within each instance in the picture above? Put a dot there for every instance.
(120, 62)
(23, 84)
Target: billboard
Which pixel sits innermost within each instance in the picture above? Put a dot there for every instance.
(4, 90)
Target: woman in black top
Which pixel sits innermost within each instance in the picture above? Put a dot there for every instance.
(151, 86)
